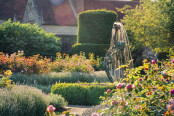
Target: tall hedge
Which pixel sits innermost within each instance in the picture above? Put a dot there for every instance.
(94, 28)
(29, 38)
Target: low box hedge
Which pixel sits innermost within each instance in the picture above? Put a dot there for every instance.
(81, 93)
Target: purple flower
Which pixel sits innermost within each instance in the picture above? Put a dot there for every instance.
(119, 86)
(153, 61)
(146, 77)
(172, 92)
(167, 80)
(129, 87)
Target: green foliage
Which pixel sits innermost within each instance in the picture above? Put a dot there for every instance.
(81, 93)
(94, 26)
(97, 49)
(29, 38)
(67, 42)
(151, 24)
(57, 101)
(94, 31)
(23, 101)
(45, 88)
(52, 78)
(147, 90)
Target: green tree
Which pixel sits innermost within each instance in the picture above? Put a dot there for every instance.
(150, 24)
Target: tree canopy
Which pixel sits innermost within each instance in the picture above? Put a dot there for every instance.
(151, 23)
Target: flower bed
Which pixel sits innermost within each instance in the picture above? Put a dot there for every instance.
(146, 90)
(37, 64)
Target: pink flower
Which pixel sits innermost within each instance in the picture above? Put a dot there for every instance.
(119, 86)
(146, 69)
(136, 107)
(114, 102)
(108, 90)
(167, 80)
(153, 61)
(172, 92)
(172, 60)
(140, 79)
(51, 108)
(146, 77)
(139, 85)
(95, 114)
(129, 87)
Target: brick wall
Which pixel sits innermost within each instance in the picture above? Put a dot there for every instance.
(80, 6)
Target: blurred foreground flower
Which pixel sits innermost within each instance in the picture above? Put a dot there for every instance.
(119, 86)
(153, 61)
(172, 92)
(51, 108)
(8, 73)
(95, 114)
(108, 90)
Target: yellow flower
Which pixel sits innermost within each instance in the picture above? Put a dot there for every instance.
(8, 81)
(144, 61)
(8, 73)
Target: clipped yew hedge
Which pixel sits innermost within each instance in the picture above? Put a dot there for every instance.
(94, 26)
(94, 32)
(81, 94)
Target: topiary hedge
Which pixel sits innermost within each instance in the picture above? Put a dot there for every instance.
(29, 38)
(81, 94)
(94, 32)
(94, 26)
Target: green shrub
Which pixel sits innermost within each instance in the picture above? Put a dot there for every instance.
(97, 49)
(94, 26)
(23, 101)
(57, 101)
(81, 94)
(94, 32)
(29, 38)
(45, 88)
(52, 78)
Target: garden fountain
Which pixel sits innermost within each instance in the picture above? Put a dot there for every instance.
(118, 53)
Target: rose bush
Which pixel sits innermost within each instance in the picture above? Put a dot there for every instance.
(36, 64)
(148, 90)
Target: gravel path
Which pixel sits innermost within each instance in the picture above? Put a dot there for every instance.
(76, 109)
